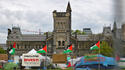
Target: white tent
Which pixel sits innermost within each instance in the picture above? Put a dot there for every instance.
(73, 61)
(33, 51)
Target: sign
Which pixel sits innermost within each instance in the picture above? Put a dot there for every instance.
(59, 58)
(31, 60)
(3, 57)
(121, 63)
(93, 57)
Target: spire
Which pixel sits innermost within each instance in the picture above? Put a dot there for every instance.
(114, 29)
(68, 8)
(114, 26)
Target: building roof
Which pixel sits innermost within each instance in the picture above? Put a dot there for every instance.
(33, 37)
(82, 37)
(29, 37)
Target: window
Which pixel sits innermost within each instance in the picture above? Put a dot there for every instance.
(39, 47)
(25, 46)
(63, 43)
(29, 46)
(17, 37)
(59, 43)
(14, 32)
(18, 46)
(10, 46)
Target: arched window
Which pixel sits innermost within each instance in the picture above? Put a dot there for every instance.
(63, 43)
(29, 47)
(59, 43)
(18, 46)
(25, 46)
(11, 46)
(40, 47)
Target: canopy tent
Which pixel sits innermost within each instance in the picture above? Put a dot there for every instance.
(73, 61)
(42, 58)
(33, 52)
(103, 60)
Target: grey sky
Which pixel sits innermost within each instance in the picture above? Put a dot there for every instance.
(37, 14)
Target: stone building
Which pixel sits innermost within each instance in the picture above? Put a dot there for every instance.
(56, 42)
(119, 39)
(87, 31)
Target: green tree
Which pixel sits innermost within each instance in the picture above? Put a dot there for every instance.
(105, 49)
(2, 51)
(79, 32)
(49, 33)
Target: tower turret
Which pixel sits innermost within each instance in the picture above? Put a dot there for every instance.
(68, 8)
(114, 26)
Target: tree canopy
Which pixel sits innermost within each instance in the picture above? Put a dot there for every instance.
(2, 51)
(79, 32)
(105, 49)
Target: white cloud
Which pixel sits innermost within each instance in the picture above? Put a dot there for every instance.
(3, 37)
(37, 14)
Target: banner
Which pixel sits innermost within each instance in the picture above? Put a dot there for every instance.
(59, 58)
(93, 57)
(31, 60)
(4, 57)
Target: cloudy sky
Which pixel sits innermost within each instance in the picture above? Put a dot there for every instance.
(37, 14)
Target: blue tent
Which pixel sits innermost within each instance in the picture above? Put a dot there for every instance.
(105, 62)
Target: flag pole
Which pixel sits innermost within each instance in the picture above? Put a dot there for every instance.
(46, 58)
(99, 56)
(72, 60)
(46, 51)
(99, 59)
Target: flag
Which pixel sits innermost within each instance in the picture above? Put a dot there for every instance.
(117, 58)
(43, 50)
(90, 56)
(96, 46)
(69, 64)
(12, 51)
(68, 50)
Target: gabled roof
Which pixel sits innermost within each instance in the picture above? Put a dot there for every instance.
(82, 37)
(33, 37)
(29, 37)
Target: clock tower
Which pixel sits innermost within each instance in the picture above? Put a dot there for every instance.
(62, 29)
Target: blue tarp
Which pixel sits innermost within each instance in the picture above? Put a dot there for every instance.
(103, 60)
(10, 60)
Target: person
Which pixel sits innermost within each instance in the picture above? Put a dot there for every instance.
(42, 64)
(14, 68)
